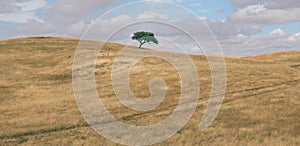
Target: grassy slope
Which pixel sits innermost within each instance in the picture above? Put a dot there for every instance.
(37, 106)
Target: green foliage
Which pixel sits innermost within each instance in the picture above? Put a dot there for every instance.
(144, 37)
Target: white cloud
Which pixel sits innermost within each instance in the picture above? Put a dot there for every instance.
(70, 12)
(297, 35)
(294, 37)
(178, 1)
(77, 29)
(152, 15)
(254, 9)
(31, 5)
(245, 2)
(277, 4)
(203, 18)
(277, 33)
(21, 11)
(175, 1)
(33, 27)
(19, 17)
(251, 45)
(101, 29)
(259, 14)
(8, 6)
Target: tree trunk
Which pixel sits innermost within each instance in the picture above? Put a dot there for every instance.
(141, 44)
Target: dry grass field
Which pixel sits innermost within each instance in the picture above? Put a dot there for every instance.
(37, 105)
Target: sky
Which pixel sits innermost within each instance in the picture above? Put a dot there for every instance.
(241, 27)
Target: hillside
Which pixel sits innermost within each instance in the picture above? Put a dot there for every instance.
(37, 105)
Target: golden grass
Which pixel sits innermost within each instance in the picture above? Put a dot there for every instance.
(37, 104)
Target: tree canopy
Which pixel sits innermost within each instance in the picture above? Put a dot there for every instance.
(144, 37)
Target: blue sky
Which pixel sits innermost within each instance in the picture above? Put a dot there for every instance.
(242, 27)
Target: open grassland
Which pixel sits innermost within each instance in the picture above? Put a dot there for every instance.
(37, 105)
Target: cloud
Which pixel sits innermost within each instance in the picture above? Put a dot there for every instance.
(60, 18)
(20, 11)
(100, 30)
(226, 29)
(77, 29)
(277, 40)
(284, 4)
(203, 18)
(152, 15)
(68, 12)
(277, 33)
(17, 17)
(277, 4)
(250, 30)
(294, 37)
(31, 5)
(8, 7)
(243, 3)
(222, 28)
(33, 27)
(261, 15)
(174, 1)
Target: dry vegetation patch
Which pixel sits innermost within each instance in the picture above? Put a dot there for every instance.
(37, 104)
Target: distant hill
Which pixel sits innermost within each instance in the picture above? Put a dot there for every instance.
(37, 104)
(291, 56)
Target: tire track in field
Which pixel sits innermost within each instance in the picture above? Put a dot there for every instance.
(261, 90)
(244, 94)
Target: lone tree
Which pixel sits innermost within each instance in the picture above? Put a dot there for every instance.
(144, 37)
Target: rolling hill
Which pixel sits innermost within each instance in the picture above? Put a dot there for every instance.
(38, 107)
